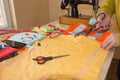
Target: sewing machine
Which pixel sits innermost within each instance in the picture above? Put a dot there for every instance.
(71, 7)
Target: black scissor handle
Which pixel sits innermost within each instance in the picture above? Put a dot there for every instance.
(104, 15)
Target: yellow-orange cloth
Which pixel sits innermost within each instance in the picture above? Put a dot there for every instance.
(84, 63)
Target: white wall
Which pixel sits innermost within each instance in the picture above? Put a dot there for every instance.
(30, 13)
(55, 10)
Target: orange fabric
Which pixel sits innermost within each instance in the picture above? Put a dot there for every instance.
(92, 33)
(102, 37)
(72, 27)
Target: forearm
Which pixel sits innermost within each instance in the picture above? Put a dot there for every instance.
(108, 6)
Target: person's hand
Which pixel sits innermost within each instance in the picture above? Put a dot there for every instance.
(111, 41)
(104, 24)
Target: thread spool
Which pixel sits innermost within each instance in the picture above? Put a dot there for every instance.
(1, 46)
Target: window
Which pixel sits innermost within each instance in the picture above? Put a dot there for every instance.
(5, 17)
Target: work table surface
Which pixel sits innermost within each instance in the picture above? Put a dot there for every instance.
(108, 60)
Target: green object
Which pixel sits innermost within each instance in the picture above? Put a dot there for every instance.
(92, 21)
(46, 28)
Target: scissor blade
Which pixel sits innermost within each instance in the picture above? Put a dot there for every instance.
(77, 34)
(89, 30)
(60, 56)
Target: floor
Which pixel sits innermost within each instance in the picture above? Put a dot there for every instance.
(112, 73)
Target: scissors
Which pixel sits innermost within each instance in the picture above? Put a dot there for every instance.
(92, 26)
(42, 59)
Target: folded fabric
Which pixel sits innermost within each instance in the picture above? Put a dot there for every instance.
(84, 63)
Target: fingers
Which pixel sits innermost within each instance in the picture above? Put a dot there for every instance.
(111, 45)
(103, 24)
(107, 45)
(105, 28)
(101, 27)
(109, 42)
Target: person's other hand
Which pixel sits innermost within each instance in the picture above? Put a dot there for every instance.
(104, 24)
(111, 41)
